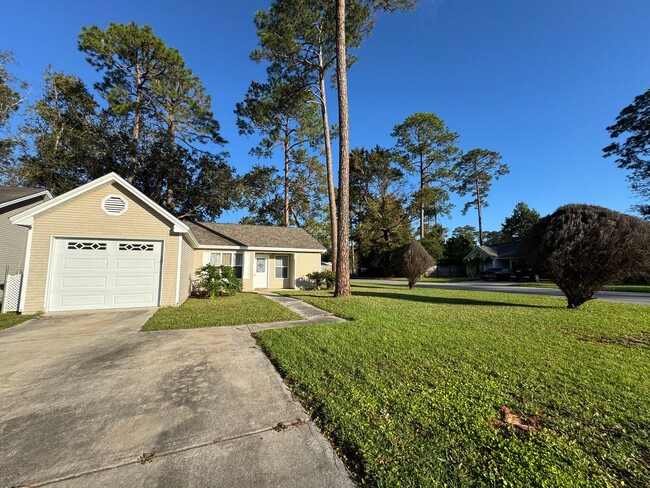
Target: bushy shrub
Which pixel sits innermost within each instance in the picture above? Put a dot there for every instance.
(412, 262)
(320, 278)
(218, 280)
(582, 248)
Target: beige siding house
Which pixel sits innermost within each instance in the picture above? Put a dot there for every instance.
(13, 239)
(107, 245)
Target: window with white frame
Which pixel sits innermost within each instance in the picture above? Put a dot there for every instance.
(233, 259)
(282, 266)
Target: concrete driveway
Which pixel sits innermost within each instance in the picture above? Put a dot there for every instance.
(88, 400)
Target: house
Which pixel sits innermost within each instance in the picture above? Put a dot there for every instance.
(13, 239)
(107, 245)
(504, 255)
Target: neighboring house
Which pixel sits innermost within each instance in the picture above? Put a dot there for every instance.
(13, 239)
(503, 255)
(107, 245)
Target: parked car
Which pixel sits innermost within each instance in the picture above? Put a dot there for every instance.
(496, 274)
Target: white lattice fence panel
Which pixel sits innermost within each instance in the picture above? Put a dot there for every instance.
(11, 297)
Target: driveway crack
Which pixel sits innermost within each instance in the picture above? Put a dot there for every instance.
(151, 456)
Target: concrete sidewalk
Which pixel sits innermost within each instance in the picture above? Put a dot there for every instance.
(309, 313)
(89, 400)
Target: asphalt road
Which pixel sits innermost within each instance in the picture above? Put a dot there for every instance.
(508, 287)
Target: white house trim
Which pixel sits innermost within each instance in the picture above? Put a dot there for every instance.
(216, 247)
(178, 270)
(28, 255)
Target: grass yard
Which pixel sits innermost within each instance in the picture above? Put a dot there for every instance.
(241, 308)
(10, 319)
(628, 288)
(411, 390)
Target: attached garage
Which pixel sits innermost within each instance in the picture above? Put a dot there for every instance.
(104, 245)
(99, 274)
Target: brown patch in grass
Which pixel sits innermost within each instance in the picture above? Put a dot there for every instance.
(642, 340)
(508, 418)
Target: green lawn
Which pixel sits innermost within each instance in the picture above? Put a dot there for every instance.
(409, 390)
(241, 308)
(629, 288)
(10, 319)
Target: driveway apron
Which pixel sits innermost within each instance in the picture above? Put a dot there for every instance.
(89, 400)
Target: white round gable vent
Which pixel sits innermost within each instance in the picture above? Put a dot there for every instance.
(114, 205)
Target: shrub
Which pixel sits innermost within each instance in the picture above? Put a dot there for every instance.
(582, 248)
(320, 278)
(412, 261)
(218, 280)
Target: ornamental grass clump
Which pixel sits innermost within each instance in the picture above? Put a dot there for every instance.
(218, 280)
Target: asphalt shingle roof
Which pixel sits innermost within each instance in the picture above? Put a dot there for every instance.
(11, 193)
(259, 236)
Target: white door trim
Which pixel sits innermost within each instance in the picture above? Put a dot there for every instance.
(266, 259)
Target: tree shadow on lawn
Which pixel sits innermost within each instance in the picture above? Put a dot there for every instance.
(450, 301)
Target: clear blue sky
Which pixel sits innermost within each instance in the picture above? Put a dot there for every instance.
(536, 81)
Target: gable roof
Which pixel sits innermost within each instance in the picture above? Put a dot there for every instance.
(256, 237)
(504, 250)
(27, 218)
(14, 194)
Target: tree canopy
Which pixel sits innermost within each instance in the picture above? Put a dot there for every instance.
(517, 225)
(474, 174)
(633, 153)
(430, 147)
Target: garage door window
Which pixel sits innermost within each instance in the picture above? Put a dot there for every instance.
(135, 247)
(87, 246)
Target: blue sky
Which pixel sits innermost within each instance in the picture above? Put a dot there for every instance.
(536, 81)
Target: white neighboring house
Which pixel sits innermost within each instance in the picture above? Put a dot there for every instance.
(13, 239)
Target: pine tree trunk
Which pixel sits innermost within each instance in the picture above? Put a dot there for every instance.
(480, 216)
(421, 203)
(342, 288)
(135, 135)
(330, 172)
(286, 184)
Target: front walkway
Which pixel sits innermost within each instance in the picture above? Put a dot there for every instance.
(310, 314)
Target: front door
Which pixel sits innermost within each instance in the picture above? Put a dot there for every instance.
(261, 278)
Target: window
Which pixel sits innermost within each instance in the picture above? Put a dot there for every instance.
(282, 266)
(87, 246)
(126, 246)
(233, 259)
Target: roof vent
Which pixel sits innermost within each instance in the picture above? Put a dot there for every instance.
(114, 205)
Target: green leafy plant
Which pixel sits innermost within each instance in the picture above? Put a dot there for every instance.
(218, 280)
(320, 278)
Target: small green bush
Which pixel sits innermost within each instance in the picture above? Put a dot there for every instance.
(320, 278)
(218, 280)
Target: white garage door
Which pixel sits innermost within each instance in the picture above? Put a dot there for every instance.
(97, 273)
